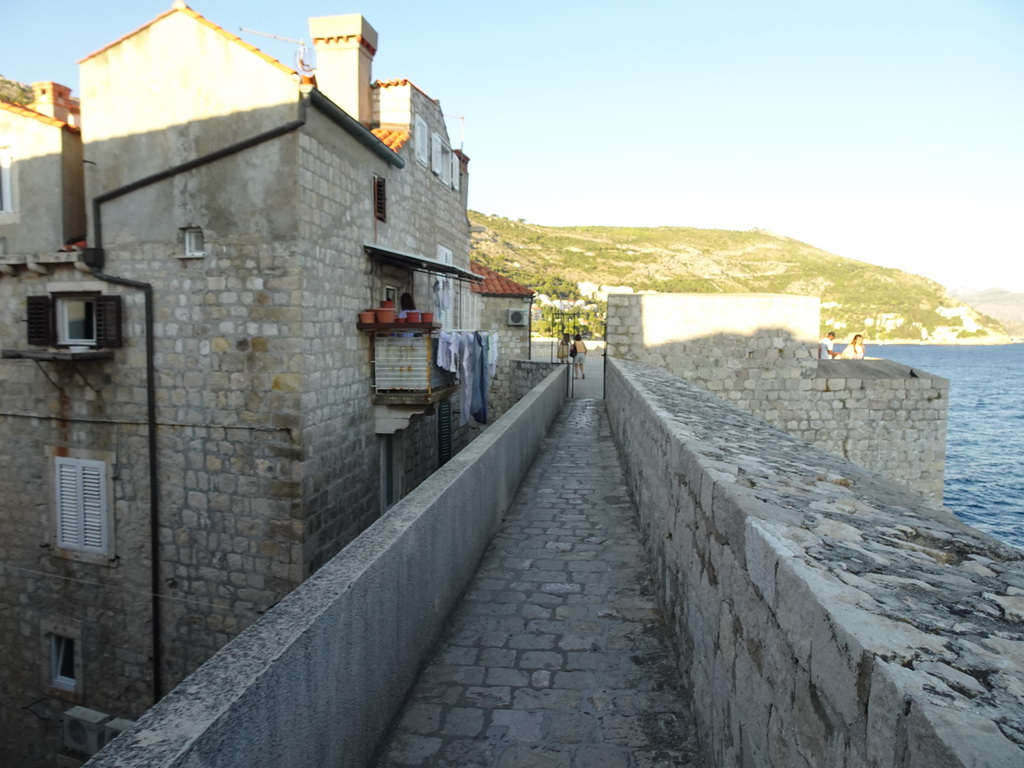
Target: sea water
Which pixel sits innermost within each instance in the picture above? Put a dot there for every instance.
(985, 439)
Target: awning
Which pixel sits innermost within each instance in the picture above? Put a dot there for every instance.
(419, 263)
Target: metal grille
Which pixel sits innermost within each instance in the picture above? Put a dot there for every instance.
(404, 362)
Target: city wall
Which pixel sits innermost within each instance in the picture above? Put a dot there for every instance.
(318, 679)
(759, 352)
(826, 616)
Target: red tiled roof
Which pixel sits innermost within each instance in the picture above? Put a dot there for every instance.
(180, 7)
(495, 284)
(399, 82)
(17, 109)
(393, 139)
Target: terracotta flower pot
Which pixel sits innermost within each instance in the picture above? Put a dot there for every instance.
(368, 317)
(387, 304)
(385, 315)
(427, 317)
(412, 316)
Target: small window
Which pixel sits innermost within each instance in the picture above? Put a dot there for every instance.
(380, 199)
(195, 242)
(62, 663)
(81, 504)
(76, 320)
(422, 140)
(6, 187)
(88, 320)
(456, 172)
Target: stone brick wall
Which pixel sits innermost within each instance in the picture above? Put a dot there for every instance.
(826, 616)
(759, 352)
(267, 456)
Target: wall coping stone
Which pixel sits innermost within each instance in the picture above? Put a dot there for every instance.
(908, 624)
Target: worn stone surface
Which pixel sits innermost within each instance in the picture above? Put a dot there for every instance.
(829, 616)
(558, 655)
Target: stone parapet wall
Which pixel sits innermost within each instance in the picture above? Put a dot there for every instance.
(318, 679)
(759, 352)
(826, 616)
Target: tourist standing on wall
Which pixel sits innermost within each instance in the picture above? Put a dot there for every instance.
(825, 345)
(579, 357)
(854, 350)
(563, 349)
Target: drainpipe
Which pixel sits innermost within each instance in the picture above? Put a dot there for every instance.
(94, 258)
(154, 491)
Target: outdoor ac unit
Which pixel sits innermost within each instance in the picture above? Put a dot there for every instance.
(83, 730)
(517, 317)
(112, 728)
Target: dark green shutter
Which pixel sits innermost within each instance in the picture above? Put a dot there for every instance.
(40, 321)
(108, 321)
(444, 432)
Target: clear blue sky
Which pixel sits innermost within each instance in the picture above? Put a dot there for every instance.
(890, 131)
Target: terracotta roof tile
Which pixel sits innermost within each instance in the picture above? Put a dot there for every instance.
(180, 7)
(399, 82)
(17, 109)
(496, 284)
(393, 139)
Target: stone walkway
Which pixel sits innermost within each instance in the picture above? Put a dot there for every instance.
(557, 656)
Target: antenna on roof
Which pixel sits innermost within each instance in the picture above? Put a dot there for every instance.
(300, 56)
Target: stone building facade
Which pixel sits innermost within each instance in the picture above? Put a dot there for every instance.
(188, 413)
(759, 352)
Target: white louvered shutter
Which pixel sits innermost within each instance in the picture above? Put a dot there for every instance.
(455, 171)
(436, 159)
(81, 505)
(422, 139)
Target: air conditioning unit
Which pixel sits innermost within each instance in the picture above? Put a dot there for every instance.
(112, 728)
(83, 730)
(518, 317)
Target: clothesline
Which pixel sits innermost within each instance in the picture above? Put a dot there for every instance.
(473, 357)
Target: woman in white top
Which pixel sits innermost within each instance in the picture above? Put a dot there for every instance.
(854, 350)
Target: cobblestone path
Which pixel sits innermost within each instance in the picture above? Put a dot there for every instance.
(557, 656)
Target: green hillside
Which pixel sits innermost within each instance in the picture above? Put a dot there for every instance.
(884, 304)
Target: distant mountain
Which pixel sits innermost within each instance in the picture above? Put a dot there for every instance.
(1006, 307)
(15, 92)
(883, 304)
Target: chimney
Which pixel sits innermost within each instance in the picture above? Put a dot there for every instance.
(344, 47)
(54, 100)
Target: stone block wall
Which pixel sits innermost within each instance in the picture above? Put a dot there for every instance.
(826, 616)
(759, 352)
(513, 346)
(319, 679)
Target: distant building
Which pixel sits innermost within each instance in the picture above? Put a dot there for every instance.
(505, 307)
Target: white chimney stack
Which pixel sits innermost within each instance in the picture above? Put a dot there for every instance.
(344, 47)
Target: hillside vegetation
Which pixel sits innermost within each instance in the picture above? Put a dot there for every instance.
(884, 304)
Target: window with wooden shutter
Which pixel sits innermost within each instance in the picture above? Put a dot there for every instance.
(40, 321)
(444, 432)
(380, 199)
(436, 152)
(456, 171)
(422, 140)
(108, 321)
(81, 490)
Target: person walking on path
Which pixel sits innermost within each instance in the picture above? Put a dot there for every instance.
(579, 358)
(563, 349)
